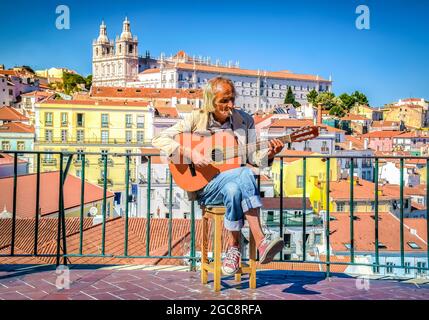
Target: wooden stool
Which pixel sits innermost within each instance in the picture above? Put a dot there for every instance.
(217, 214)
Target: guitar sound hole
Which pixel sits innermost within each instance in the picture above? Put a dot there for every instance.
(217, 155)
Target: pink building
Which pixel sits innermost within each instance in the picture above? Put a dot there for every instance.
(380, 140)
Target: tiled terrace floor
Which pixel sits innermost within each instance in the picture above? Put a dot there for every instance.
(160, 283)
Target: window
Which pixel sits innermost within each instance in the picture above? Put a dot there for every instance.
(79, 119)
(420, 266)
(5, 145)
(104, 136)
(140, 136)
(79, 155)
(64, 119)
(128, 136)
(390, 265)
(299, 181)
(80, 135)
(20, 145)
(287, 238)
(140, 121)
(317, 238)
(128, 120)
(78, 173)
(63, 136)
(375, 268)
(340, 206)
(104, 120)
(48, 135)
(48, 118)
(413, 245)
(270, 216)
(407, 269)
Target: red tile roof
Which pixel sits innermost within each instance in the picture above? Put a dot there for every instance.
(148, 93)
(93, 102)
(364, 233)
(384, 123)
(260, 118)
(381, 134)
(288, 203)
(419, 225)
(11, 114)
(362, 190)
(16, 127)
(247, 72)
(26, 193)
(393, 189)
(168, 112)
(8, 159)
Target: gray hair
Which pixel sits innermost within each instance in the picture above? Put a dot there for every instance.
(210, 90)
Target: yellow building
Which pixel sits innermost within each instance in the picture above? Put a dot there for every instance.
(362, 110)
(54, 74)
(94, 126)
(293, 177)
(413, 116)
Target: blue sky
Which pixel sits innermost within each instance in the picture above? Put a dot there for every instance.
(387, 62)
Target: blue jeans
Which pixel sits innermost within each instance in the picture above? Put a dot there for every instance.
(236, 189)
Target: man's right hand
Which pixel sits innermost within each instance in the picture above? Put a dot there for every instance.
(196, 158)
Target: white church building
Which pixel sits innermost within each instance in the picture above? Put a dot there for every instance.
(118, 64)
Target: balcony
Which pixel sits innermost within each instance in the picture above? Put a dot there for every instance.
(78, 162)
(115, 238)
(49, 162)
(98, 141)
(109, 162)
(109, 182)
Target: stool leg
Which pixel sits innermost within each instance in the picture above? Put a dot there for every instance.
(238, 275)
(217, 252)
(252, 262)
(204, 248)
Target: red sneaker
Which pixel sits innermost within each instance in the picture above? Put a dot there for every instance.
(269, 248)
(231, 263)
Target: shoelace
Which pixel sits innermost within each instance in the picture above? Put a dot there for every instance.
(232, 255)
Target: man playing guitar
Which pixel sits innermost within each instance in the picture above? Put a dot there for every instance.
(236, 188)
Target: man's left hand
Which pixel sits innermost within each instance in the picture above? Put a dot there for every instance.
(275, 147)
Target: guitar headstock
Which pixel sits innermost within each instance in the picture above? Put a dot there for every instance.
(304, 133)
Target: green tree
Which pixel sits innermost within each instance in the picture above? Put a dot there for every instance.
(347, 101)
(312, 97)
(88, 83)
(71, 82)
(290, 98)
(359, 98)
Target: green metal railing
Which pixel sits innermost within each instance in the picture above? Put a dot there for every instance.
(66, 160)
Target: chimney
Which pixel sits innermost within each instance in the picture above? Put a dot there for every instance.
(319, 114)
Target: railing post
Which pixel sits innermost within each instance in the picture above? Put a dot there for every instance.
(304, 209)
(127, 191)
(352, 249)
(401, 210)
(327, 231)
(60, 193)
(377, 262)
(103, 235)
(148, 206)
(82, 200)
(15, 185)
(427, 208)
(281, 199)
(193, 249)
(36, 226)
(170, 217)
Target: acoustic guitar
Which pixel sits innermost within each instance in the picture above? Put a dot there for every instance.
(224, 151)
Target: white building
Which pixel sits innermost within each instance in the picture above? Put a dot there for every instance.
(117, 63)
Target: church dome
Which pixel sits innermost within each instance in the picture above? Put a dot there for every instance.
(126, 32)
(103, 34)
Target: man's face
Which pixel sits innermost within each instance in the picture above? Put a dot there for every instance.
(224, 101)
